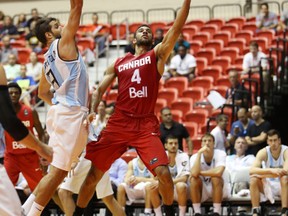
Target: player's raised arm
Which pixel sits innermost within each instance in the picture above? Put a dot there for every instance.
(164, 49)
(108, 78)
(68, 33)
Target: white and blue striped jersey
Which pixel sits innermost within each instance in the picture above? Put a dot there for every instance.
(272, 163)
(68, 78)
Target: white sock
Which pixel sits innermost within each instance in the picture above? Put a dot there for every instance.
(158, 211)
(35, 210)
(217, 208)
(28, 203)
(182, 210)
(197, 207)
(148, 210)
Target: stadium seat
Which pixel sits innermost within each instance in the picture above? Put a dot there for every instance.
(196, 22)
(201, 64)
(234, 67)
(208, 53)
(122, 31)
(240, 43)
(196, 93)
(112, 96)
(134, 26)
(239, 60)
(196, 144)
(206, 82)
(210, 28)
(237, 20)
(230, 27)
(86, 42)
(155, 25)
(201, 36)
(215, 44)
(220, 89)
(41, 58)
(129, 155)
(213, 71)
(192, 128)
(223, 62)
(195, 46)
(190, 30)
(250, 26)
(231, 52)
(18, 43)
(23, 55)
(222, 35)
(268, 34)
(216, 21)
(160, 104)
(177, 115)
(198, 116)
(246, 34)
(224, 81)
(183, 104)
(169, 94)
(180, 83)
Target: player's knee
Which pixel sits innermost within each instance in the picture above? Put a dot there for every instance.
(217, 182)
(181, 187)
(64, 194)
(254, 181)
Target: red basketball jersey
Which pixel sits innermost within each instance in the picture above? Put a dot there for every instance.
(138, 81)
(26, 116)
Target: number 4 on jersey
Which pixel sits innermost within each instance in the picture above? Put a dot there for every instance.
(136, 76)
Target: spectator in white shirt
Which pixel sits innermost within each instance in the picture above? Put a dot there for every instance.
(183, 64)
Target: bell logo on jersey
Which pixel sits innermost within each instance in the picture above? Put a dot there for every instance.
(133, 93)
(16, 145)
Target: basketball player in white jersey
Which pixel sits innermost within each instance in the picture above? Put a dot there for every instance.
(269, 174)
(9, 200)
(63, 70)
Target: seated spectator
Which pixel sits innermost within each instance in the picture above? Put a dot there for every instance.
(236, 91)
(206, 178)
(159, 35)
(12, 69)
(183, 64)
(253, 59)
(219, 133)
(34, 67)
(239, 128)
(166, 75)
(136, 178)
(269, 173)
(31, 39)
(2, 15)
(22, 24)
(9, 28)
(170, 127)
(181, 41)
(6, 50)
(130, 47)
(26, 83)
(237, 162)
(34, 18)
(97, 35)
(179, 169)
(266, 19)
(257, 133)
(283, 23)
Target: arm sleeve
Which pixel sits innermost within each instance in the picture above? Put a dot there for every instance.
(8, 117)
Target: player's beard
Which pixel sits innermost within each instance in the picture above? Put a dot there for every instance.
(147, 43)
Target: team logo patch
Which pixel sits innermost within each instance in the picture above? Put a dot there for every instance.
(154, 160)
(184, 163)
(26, 112)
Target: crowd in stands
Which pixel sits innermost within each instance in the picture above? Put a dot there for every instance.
(223, 57)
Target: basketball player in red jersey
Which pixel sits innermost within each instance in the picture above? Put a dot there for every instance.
(18, 158)
(133, 122)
